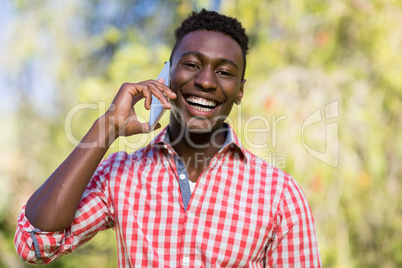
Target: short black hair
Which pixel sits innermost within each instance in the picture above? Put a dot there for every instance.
(213, 21)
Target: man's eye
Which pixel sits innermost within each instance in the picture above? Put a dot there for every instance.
(224, 73)
(191, 65)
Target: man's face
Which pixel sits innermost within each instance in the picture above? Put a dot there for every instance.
(206, 75)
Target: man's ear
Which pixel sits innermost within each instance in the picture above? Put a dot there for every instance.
(241, 91)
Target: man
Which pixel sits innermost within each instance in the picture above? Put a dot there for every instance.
(194, 196)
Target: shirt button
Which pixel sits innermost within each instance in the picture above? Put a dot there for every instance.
(186, 260)
(191, 215)
(182, 176)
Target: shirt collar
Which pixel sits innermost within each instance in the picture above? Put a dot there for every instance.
(232, 140)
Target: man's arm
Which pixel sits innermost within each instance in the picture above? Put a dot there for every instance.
(52, 207)
(295, 243)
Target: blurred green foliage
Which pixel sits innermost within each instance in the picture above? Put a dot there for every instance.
(304, 55)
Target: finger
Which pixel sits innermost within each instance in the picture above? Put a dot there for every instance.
(145, 127)
(129, 94)
(133, 126)
(137, 99)
(159, 91)
(146, 92)
(166, 90)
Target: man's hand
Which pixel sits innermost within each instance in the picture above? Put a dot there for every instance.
(121, 116)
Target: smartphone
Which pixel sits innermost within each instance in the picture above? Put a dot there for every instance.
(157, 109)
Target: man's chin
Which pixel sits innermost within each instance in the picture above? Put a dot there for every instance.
(199, 125)
(197, 130)
(203, 127)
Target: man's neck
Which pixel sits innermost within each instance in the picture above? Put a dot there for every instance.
(196, 149)
(187, 142)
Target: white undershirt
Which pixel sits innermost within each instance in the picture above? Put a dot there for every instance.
(192, 185)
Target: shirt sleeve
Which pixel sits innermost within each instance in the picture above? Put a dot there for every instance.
(295, 242)
(94, 213)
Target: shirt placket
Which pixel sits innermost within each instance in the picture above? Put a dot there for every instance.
(183, 181)
(185, 259)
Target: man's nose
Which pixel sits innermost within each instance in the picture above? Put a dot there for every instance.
(206, 78)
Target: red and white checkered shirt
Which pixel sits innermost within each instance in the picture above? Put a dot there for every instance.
(243, 213)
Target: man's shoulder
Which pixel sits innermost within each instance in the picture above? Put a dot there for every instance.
(116, 162)
(122, 156)
(117, 157)
(263, 166)
(259, 161)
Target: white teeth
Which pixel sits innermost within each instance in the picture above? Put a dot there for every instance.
(202, 109)
(203, 102)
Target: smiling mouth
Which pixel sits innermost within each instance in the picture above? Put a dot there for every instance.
(201, 104)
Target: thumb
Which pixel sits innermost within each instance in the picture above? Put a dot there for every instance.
(155, 128)
(136, 128)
